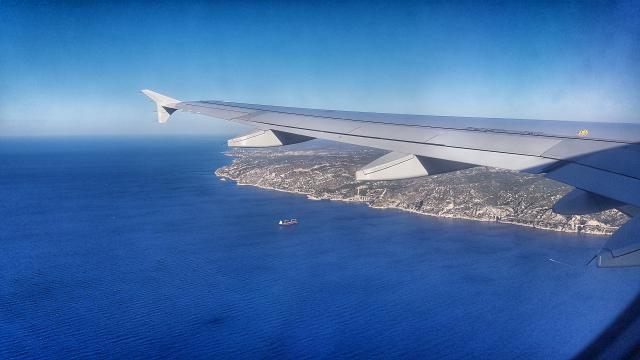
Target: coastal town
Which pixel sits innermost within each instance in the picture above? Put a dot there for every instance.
(326, 171)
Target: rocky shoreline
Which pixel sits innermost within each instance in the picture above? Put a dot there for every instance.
(326, 171)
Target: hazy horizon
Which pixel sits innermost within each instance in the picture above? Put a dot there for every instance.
(69, 68)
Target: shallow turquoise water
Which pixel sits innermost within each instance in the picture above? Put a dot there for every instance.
(133, 248)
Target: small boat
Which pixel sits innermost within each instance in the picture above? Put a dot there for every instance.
(287, 222)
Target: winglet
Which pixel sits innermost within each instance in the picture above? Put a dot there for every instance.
(164, 104)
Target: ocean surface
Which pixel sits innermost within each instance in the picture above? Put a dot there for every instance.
(133, 248)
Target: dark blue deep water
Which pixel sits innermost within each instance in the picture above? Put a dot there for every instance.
(132, 248)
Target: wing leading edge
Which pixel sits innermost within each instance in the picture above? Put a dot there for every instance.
(602, 160)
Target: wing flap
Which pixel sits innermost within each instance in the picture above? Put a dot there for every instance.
(503, 143)
(619, 187)
(615, 157)
(393, 132)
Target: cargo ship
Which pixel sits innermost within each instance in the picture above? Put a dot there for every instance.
(287, 222)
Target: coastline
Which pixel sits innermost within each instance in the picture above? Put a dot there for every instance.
(224, 177)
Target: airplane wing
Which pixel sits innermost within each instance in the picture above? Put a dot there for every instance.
(601, 160)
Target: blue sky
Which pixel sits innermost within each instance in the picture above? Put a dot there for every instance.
(77, 68)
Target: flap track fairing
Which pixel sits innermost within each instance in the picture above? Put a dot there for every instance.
(267, 138)
(395, 165)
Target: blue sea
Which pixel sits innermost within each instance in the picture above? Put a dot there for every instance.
(132, 248)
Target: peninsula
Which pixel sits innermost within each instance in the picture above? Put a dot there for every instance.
(326, 171)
